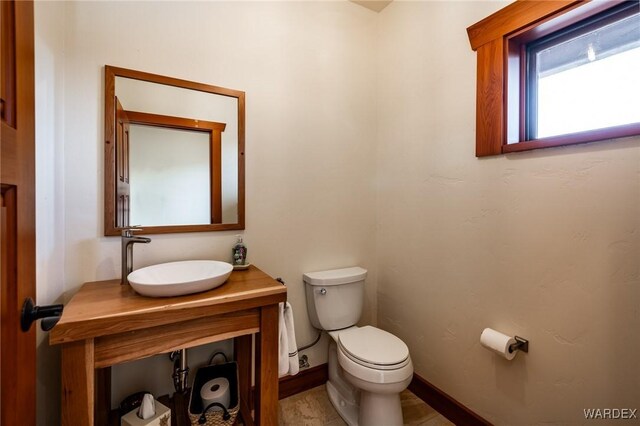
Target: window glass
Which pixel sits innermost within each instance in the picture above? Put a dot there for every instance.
(585, 78)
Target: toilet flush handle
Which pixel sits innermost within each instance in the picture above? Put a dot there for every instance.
(323, 291)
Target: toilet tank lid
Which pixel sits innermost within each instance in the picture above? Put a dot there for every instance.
(335, 276)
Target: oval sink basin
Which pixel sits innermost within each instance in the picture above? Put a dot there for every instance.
(179, 278)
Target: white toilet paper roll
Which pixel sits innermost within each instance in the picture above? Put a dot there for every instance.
(216, 390)
(498, 342)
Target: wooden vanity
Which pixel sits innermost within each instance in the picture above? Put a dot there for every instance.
(106, 323)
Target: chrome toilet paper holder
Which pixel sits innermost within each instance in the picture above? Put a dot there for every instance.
(520, 345)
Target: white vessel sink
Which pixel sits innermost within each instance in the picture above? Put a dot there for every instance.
(179, 278)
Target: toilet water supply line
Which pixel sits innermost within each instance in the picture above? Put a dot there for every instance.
(281, 281)
(314, 342)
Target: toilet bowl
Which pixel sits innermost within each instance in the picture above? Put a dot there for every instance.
(377, 363)
(368, 367)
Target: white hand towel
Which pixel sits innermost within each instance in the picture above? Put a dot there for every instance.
(294, 364)
(283, 343)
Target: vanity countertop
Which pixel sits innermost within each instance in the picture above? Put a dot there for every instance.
(106, 307)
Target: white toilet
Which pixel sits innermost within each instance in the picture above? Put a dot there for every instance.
(368, 367)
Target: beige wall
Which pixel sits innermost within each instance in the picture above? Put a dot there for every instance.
(307, 70)
(542, 244)
(360, 141)
(50, 254)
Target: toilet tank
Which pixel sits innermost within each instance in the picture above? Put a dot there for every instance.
(335, 297)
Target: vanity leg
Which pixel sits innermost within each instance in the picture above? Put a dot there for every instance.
(267, 367)
(103, 396)
(77, 383)
(242, 355)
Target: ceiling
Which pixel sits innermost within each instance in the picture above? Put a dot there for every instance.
(375, 5)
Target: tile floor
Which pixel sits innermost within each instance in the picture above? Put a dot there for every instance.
(312, 408)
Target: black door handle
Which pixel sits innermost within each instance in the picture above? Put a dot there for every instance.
(49, 314)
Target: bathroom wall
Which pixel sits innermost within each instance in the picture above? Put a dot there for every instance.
(49, 78)
(542, 244)
(308, 71)
(360, 142)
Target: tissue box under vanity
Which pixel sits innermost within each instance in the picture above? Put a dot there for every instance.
(162, 417)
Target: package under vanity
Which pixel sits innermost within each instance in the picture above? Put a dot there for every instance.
(106, 323)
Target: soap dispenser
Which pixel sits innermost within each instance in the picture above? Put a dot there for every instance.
(239, 252)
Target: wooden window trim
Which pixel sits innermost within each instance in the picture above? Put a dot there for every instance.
(498, 41)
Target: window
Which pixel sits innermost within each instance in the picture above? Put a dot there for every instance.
(585, 77)
(557, 73)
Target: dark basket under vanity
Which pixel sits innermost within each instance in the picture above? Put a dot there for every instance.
(228, 370)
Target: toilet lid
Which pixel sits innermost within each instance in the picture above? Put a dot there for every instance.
(374, 346)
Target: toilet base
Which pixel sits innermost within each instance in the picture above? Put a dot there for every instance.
(343, 395)
(362, 403)
(379, 402)
(347, 409)
(380, 409)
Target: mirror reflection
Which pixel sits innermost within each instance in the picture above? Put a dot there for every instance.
(174, 154)
(169, 188)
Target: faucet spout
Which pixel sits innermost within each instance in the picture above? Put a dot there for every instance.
(127, 242)
(139, 240)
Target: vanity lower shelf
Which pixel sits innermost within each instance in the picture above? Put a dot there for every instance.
(179, 403)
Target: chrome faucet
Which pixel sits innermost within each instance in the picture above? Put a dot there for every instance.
(128, 239)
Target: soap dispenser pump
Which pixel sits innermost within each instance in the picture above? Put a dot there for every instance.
(239, 252)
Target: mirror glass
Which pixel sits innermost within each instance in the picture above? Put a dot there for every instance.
(169, 187)
(177, 154)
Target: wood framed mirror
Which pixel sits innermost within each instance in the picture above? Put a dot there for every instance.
(174, 154)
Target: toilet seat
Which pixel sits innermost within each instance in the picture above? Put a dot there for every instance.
(374, 348)
(374, 366)
(374, 355)
(401, 373)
